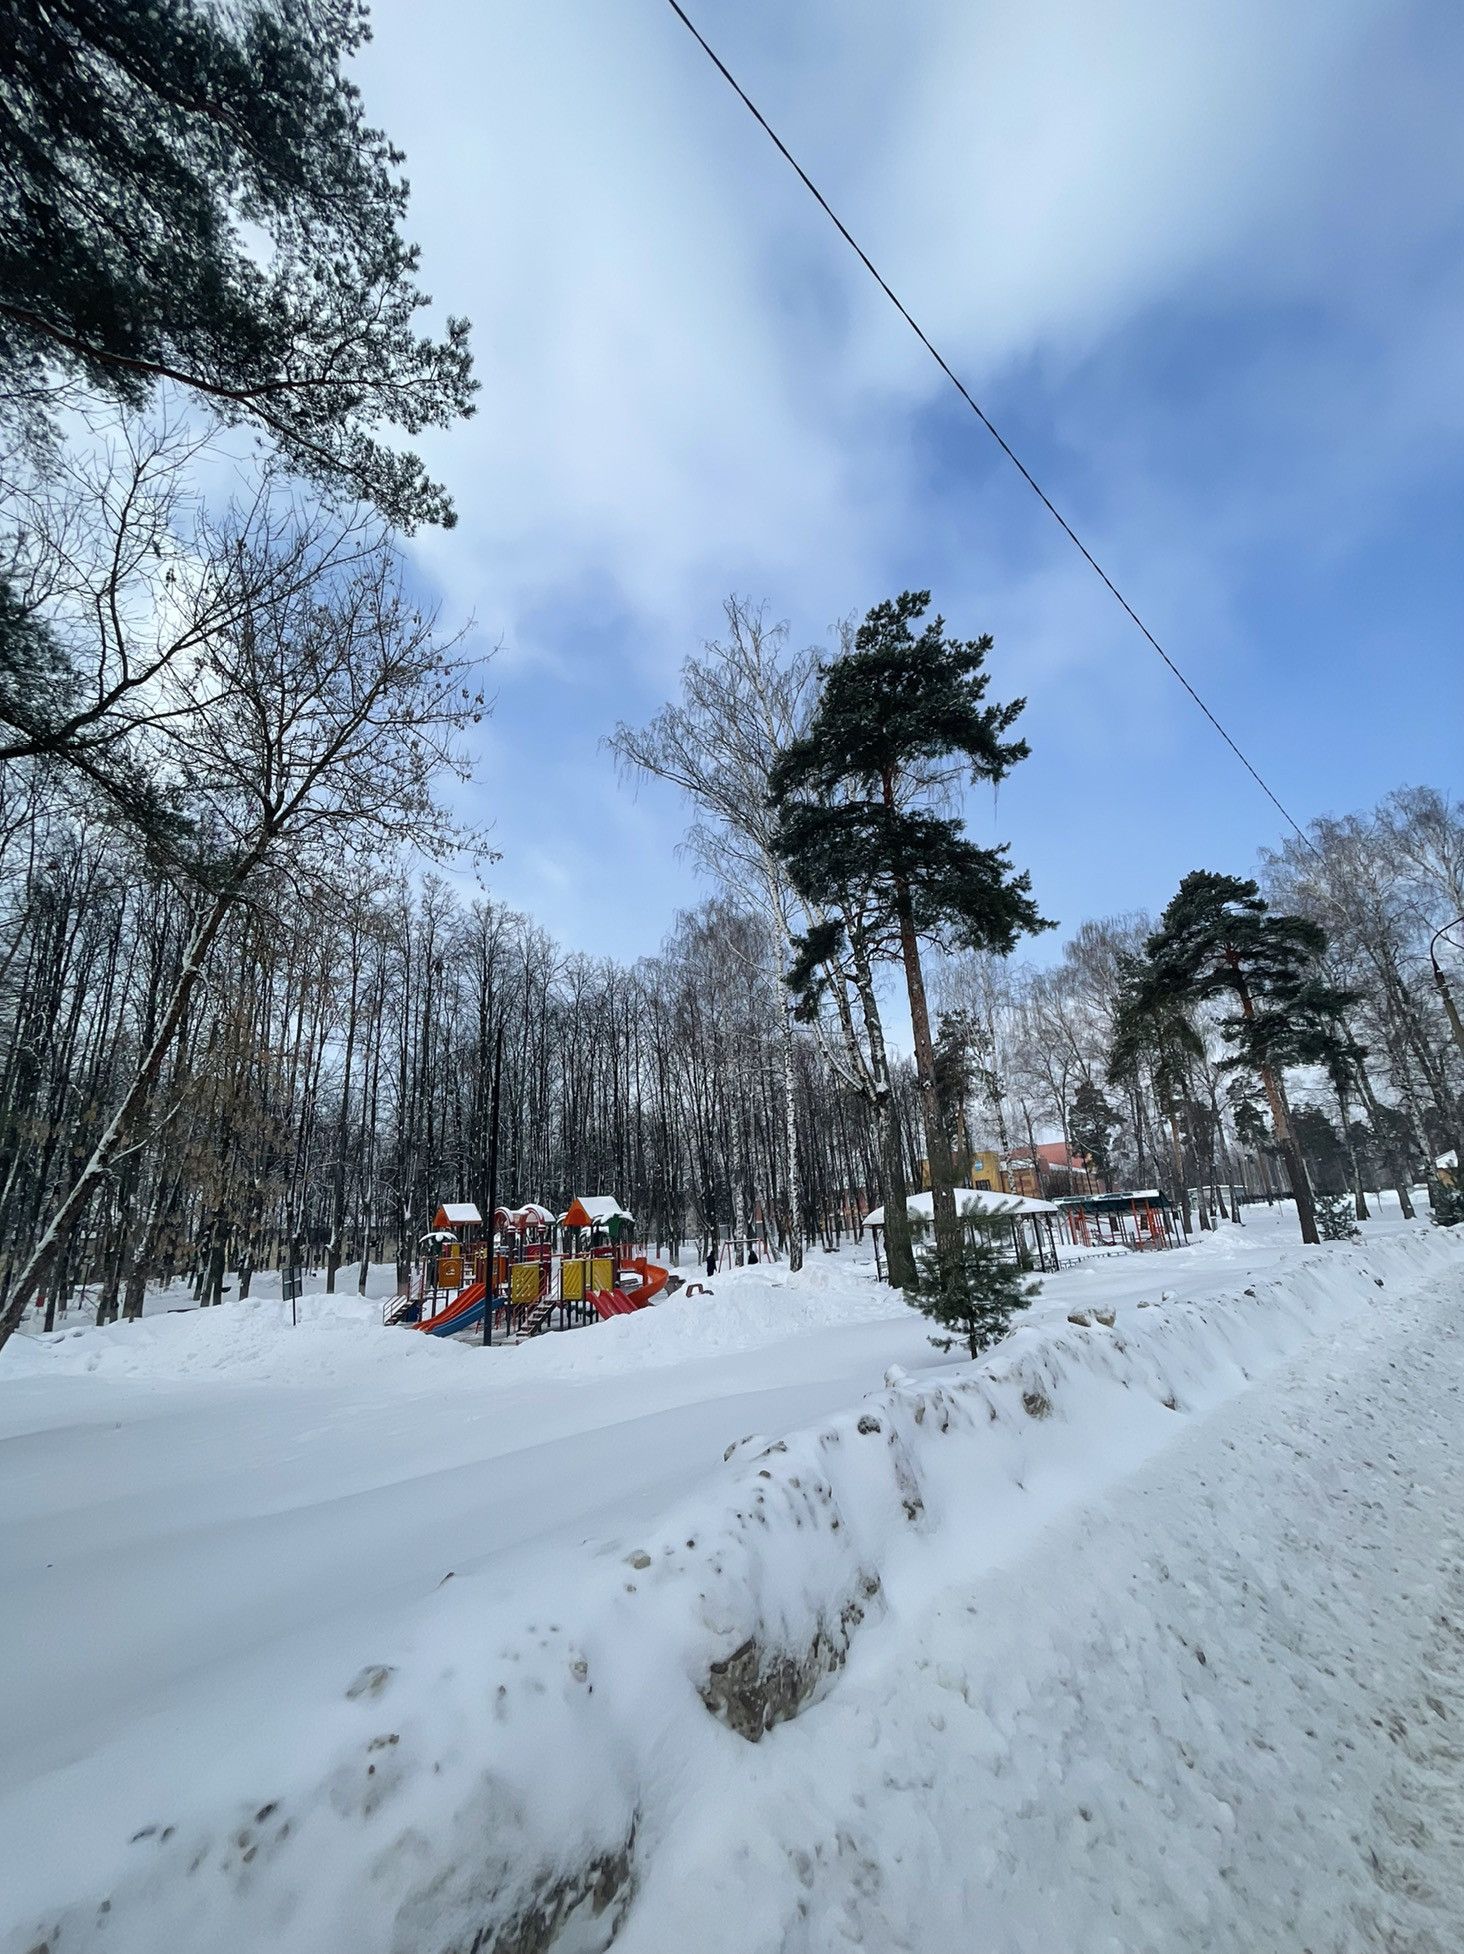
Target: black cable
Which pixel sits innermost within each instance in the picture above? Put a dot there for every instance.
(1026, 474)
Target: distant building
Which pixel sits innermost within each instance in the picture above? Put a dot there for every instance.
(978, 1167)
(1049, 1170)
(984, 1171)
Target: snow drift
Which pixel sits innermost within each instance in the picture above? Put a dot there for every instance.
(498, 1781)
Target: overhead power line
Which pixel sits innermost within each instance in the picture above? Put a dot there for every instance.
(960, 386)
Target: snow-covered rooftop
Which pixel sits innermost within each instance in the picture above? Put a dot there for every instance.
(599, 1207)
(969, 1201)
(528, 1211)
(1117, 1195)
(459, 1214)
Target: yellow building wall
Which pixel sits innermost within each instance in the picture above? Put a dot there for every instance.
(985, 1171)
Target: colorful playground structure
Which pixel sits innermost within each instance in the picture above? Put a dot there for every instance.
(530, 1272)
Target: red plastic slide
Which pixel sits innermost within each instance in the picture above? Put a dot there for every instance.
(610, 1302)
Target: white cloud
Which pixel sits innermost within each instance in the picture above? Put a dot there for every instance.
(690, 387)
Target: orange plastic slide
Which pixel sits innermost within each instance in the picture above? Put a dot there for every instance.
(461, 1306)
(653, 1278)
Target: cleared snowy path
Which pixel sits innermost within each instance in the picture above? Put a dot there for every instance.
(154, 1532)
(1220, 1708)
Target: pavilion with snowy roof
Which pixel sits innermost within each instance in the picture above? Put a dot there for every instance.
(1138, 1218)
(1030, 1222)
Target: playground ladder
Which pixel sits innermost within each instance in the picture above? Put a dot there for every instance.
(398, 1308)
(537, 1320)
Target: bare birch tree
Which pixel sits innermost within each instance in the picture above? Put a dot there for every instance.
(310, 735)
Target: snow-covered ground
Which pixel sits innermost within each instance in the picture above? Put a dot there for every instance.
(333, 1637)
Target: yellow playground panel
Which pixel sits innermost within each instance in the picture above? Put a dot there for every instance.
(525, 1281)
(572, 1280)
(602, 1272)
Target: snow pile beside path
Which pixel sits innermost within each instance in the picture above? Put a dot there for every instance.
(257, 1339)
(497, 1782)
(747, 1309)
(251, 1340)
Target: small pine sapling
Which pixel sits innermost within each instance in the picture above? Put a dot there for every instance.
(973, 1292)
(1336, 1220)
(1446, 1204)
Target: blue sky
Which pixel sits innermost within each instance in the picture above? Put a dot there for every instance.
(1204, 265)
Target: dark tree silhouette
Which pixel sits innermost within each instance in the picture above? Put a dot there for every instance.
(901, 716)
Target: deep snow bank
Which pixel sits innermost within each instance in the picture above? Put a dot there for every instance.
(251, 1339)
(497, 1781)
(748, 1309)
(257, 1338)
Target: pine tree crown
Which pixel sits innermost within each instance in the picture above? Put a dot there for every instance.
(192, 193)
(898, 698)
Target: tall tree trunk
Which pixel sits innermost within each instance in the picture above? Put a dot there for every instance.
(1296, 1173)
(937, 1147)
(899, 1252)
(1176, 1151)
(1275, 1090)
(1349, 1140)
(899, 1247)
(1398, 1166)
(333, 1250)
(1446, 998)
(792, 1193)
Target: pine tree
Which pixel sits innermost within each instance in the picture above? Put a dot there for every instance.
(1152, 1032)
(1091, 1127)
(956, 1038)
(191, 193)
(1313, 1030)
(1219, 939)
(1250, 1122)
(901, 717)
(1335, 1219)
(1322, 1148)
(1446, 1204)
(973, 1292)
